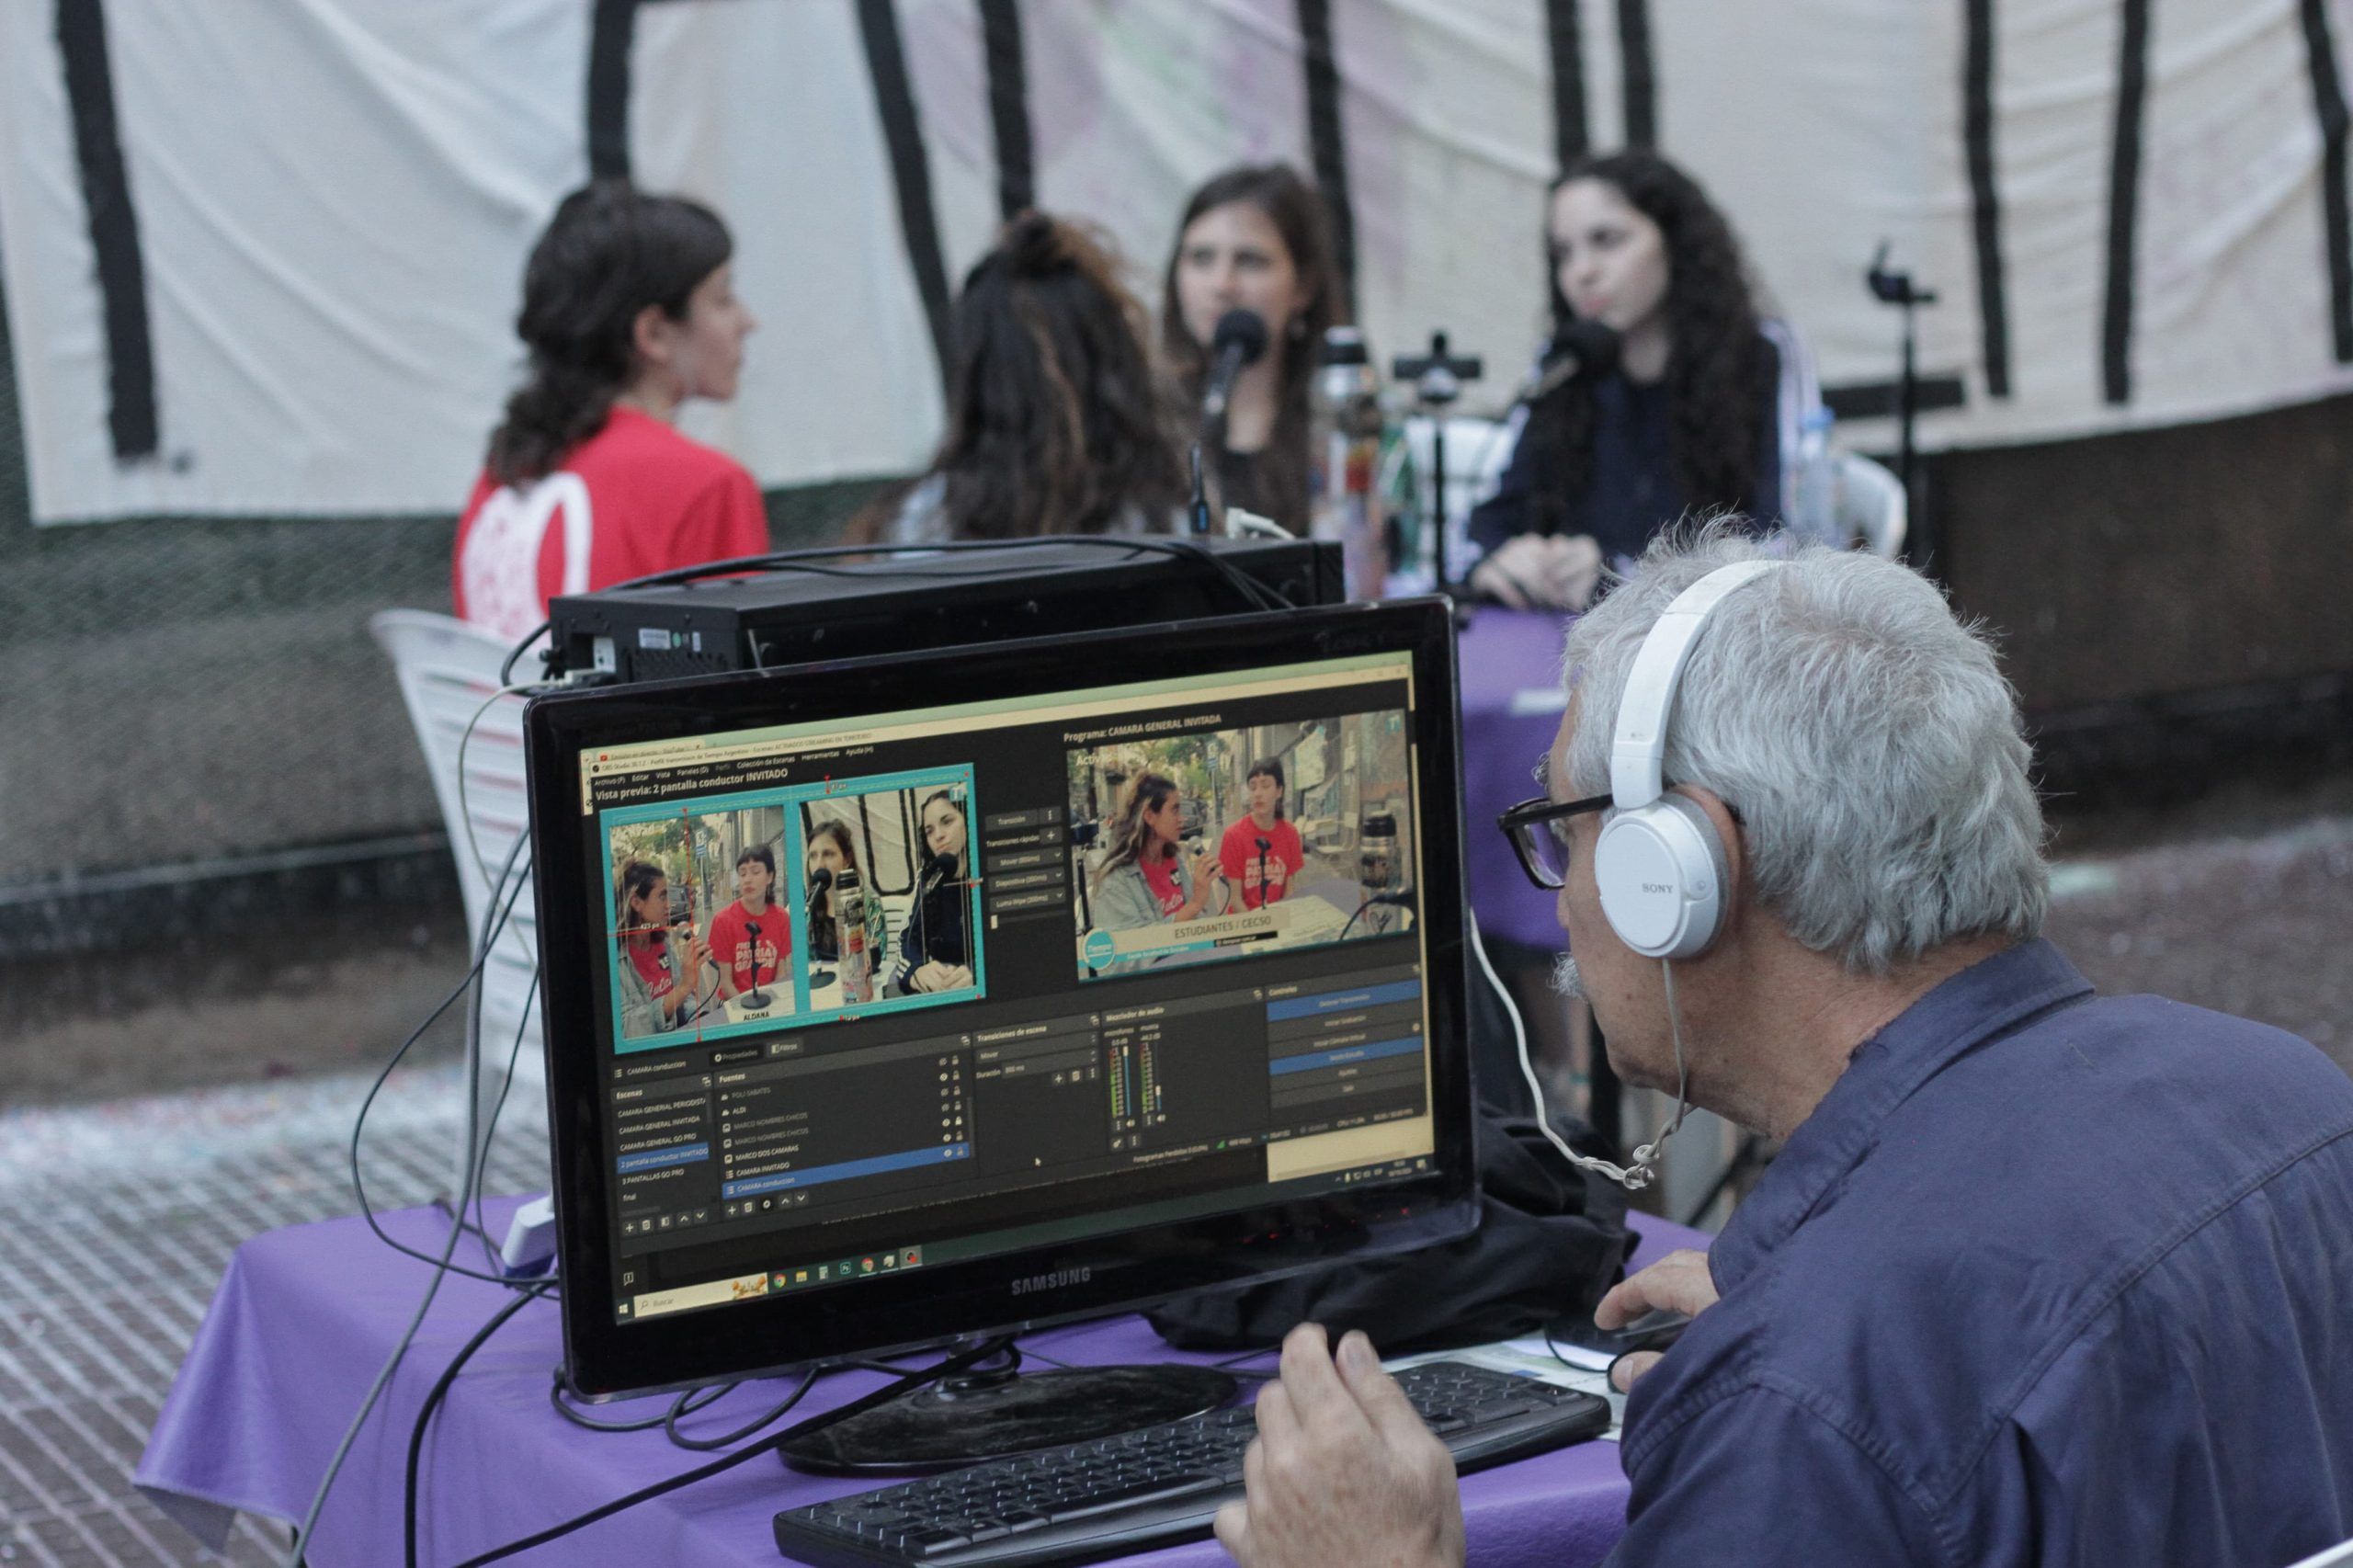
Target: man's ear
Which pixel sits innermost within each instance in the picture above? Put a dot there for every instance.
(1735, 841)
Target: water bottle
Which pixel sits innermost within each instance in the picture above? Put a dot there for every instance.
(1343, 449)
(1813, 510)
(849, 920)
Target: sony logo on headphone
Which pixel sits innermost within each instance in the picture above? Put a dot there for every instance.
(1658, 887)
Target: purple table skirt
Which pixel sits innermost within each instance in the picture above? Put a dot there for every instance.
(303, 1319)
(1511, 709)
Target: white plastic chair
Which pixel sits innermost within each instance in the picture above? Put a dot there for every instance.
(1870, 511)
(447, 669)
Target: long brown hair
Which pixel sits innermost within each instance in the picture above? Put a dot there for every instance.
(1126, 833)
(632, 881)
(1054, 425)
(1720, 369)
(1297, 212)
(610, 252)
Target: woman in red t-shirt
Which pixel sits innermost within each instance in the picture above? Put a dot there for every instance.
(1261, 852)
(628, 310)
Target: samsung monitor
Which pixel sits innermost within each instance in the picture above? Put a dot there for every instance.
(897, 1000)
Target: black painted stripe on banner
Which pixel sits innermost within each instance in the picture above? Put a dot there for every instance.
(114, 229)
(612, 27)
(1564, 32)
(2123, 201)
(1881, 400)
(1016, 180)
(894, 100)
(2328, 108)
(1325, 145)
(1638, 73)
(1986, 199)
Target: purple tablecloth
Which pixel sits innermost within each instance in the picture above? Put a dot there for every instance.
(305, 1316)
(1511, 709)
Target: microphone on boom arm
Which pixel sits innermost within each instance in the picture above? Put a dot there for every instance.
(1581, 351)
(1240, 339)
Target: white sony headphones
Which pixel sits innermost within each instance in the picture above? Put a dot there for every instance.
(1659, 864)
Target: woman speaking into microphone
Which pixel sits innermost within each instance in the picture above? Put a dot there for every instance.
(936, 954)
(1253, 241)
(1701, 409)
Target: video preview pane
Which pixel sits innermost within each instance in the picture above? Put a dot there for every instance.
(1237, 843)
(806, 904)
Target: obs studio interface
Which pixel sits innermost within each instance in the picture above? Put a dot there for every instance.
(881, 993)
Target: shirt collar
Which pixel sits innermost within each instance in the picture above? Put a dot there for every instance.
(1985, 999)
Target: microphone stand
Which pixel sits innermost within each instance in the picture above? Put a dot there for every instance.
(1892, 286)
(1438, 379)
(754, 998)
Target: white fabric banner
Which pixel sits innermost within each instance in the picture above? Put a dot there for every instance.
(306, 286)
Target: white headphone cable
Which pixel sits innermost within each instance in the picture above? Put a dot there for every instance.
(1639, 1175)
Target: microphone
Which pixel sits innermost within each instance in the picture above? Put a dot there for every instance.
(1582, 350)
(1240, 338)
(756, 998)
(821, 881)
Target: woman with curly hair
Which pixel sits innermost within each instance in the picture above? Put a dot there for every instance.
(1054, 425)
(1703, 409)
(1253, 238)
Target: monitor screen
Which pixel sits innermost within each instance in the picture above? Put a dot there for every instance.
(903, 998)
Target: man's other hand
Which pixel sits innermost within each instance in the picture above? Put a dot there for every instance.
(1679, 1282)
(1344, 1473)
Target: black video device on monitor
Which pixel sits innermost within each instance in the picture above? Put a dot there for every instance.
(1066, 1040)
(828, 609)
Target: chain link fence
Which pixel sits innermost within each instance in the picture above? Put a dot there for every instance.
(181, 691)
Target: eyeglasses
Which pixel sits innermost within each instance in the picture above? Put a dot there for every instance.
(1539, 831)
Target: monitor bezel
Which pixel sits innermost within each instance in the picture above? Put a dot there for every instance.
(605, 1358)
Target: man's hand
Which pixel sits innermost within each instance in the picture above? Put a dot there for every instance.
(1344, 1474)
(1679, 1282)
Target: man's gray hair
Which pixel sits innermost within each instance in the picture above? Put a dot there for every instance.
(1863, 735)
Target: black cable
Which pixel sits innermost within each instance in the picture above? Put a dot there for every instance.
(432, 1403)
(707, 1444)
(493, 1258)
(683, 1406)
(857, 1406)
(358, 1186)
(443, 1265)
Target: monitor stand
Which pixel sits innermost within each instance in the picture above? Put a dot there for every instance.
(976, 1416)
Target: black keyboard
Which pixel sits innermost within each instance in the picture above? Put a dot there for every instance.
(1150, 1488)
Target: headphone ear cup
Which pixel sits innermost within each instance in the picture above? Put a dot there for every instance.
(1660, 871)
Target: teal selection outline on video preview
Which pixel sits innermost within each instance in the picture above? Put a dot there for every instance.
(957, 775)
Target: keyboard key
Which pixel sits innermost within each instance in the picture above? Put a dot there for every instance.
(1129, 1496)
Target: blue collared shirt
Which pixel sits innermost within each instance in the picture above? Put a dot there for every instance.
(2045, 1278)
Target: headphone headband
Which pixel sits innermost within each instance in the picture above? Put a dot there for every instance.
(1638, 753)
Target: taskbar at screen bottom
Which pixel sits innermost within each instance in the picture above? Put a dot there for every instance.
(877, 1262)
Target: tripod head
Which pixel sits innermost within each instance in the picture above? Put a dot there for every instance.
(1892, 286)
(1439, 376)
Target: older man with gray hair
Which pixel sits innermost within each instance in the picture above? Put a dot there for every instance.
(2039, 1277)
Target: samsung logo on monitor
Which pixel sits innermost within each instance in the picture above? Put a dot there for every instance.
(1054, 1281)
